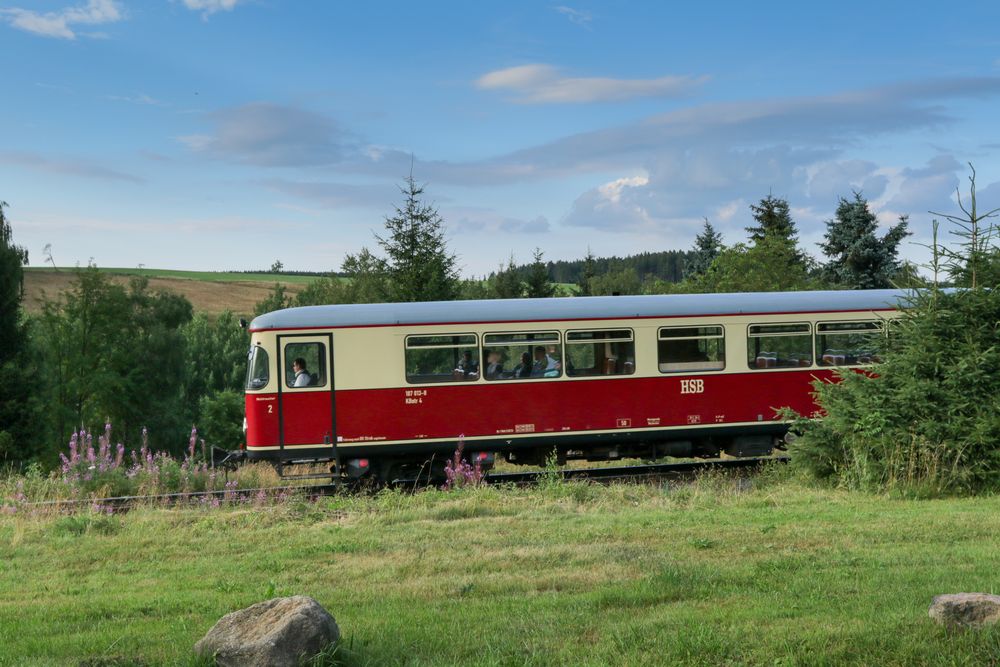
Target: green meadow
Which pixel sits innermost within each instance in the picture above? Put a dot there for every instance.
(703, 573)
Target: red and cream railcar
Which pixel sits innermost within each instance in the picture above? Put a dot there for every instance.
(594, 377)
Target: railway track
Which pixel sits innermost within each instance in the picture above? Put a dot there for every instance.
(601, 475)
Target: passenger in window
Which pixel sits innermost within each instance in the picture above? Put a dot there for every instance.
(494, 367)
(551, 363)
(523, 369)
(540, 364)
(468, 365)
(302, 377)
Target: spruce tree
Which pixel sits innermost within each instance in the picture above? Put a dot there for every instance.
(587, 275)
(707, 247)
(506, 283)
(774, 222)
(858, 258)
(539, 286)
(14, 404)
(418, 264)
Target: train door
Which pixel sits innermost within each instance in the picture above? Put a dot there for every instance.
(305, 392)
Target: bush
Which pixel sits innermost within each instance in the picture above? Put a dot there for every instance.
(221, 416)
(929, 419)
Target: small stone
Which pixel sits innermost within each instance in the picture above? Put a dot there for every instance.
(965, 610)
(276, 633)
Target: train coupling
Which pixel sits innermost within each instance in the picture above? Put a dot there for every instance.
(225, 458)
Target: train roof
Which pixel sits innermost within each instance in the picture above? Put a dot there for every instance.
(577, 308)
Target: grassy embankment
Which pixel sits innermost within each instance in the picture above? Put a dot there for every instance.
(567, 574)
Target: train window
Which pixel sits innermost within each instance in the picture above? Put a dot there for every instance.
(600, 352)
(692, 349)
(442, 358)
(779, 345)
(305, 365)
(848, 343)
(513, 356)
(258, 370)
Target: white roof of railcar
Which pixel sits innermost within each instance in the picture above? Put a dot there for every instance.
(577, 308)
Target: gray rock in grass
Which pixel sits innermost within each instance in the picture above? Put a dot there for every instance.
(274, 633)
(965, 610)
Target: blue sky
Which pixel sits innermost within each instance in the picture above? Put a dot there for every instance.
(226, 134)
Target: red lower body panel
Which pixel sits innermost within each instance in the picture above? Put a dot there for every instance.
(501, 409)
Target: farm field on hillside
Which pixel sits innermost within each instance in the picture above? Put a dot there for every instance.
(563, 574)
(208, 292)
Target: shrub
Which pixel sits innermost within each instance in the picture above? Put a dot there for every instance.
(928, 419)
(220, 415)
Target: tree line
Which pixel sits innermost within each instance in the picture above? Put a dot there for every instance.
(144, 360)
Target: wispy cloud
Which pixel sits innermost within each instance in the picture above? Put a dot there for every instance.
(476, 219)
(544, 84)
(579, 17)
(141, 98)
(270, 135)
(209, 7)
(332, 195)
(68, 166)
(63, 23)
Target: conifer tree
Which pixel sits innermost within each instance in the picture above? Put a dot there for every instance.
(707, 246)
(858, 258)
(774, 222)
(14, 404)
(417, 265)
(539, 286)
(587, 275)
(506, 283)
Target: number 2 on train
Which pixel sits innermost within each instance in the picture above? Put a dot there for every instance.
(692, 386)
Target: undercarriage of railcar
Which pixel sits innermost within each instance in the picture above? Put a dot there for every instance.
(386, 463)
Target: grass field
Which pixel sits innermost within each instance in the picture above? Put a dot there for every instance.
(210, 292)
(709, 573)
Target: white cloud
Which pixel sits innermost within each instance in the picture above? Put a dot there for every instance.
(60, 24)
(209, 7)
(543, 84)
(579, 17)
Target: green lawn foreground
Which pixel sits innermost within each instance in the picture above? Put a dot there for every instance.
(566, 574)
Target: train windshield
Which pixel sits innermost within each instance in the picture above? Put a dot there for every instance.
(257, 368)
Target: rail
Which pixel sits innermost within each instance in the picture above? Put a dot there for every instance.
(605, 474)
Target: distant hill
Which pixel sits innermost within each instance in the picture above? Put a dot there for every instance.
(208, 291)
